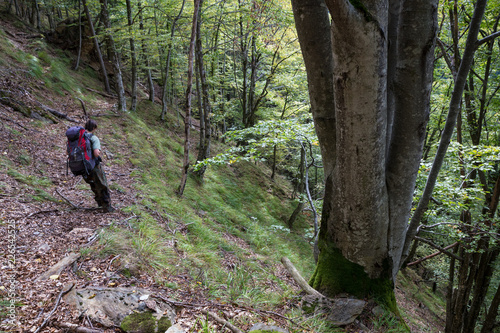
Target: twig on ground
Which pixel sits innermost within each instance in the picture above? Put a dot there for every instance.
(63, 292)
(222, 321)
(130, 218)
(67, 200)
(76, 328)
(42, 212)
(109, 265)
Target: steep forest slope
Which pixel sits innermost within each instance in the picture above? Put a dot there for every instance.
(215, 249)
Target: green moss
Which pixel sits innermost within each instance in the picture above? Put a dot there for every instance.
(164, 324)
(335, 275)
(139, 322)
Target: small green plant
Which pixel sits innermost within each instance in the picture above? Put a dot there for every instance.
(388, 322)
(41, 195)
(30, 180)
(24, 159)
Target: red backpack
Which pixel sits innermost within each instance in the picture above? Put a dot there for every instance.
(80, 158)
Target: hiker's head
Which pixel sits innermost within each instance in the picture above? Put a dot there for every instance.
(90, 125)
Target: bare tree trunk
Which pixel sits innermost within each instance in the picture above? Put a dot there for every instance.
(206, 110)
(133, 103)
(115, 58)
(80, 37)
(167, 64)
(189, 88)
(300, 188)
(491, 322)
(454, 109)
(149, 77)
(37, 11)
(98, 49)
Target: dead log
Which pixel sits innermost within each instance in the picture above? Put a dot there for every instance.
(299, 279)
(57, 113)
(60, 266)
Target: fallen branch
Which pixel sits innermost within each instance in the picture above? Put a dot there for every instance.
(76, 328)
(63, 292)
(67, 200)
(60, 266)
(58, 114)
(222, 321)
(299, 279)
(42, 212)
(431, 255)
(84, 109)
(101, 93)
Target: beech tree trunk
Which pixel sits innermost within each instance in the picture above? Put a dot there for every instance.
(370, 93)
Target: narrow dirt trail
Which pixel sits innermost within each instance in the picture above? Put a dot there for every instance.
(47, 230)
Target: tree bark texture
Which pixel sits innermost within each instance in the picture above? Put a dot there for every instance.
(369, 89)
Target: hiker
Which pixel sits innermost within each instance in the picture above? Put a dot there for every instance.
(96, 177)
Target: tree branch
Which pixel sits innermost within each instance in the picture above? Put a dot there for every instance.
(299, 279)
(63, 292)
(76, 328)
(487, 39)
(439, 248)
(432, 255)
(222, 321)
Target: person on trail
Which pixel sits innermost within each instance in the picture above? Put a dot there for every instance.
(97, 178)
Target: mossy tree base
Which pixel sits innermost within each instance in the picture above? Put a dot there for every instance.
(336, 275)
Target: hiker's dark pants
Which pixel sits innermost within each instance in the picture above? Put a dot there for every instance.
(99, 185)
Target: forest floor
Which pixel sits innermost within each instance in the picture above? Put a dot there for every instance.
(49, 227)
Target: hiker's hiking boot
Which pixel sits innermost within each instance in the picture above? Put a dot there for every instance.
(108, 209)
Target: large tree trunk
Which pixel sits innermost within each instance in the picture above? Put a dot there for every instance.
(372, 139)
